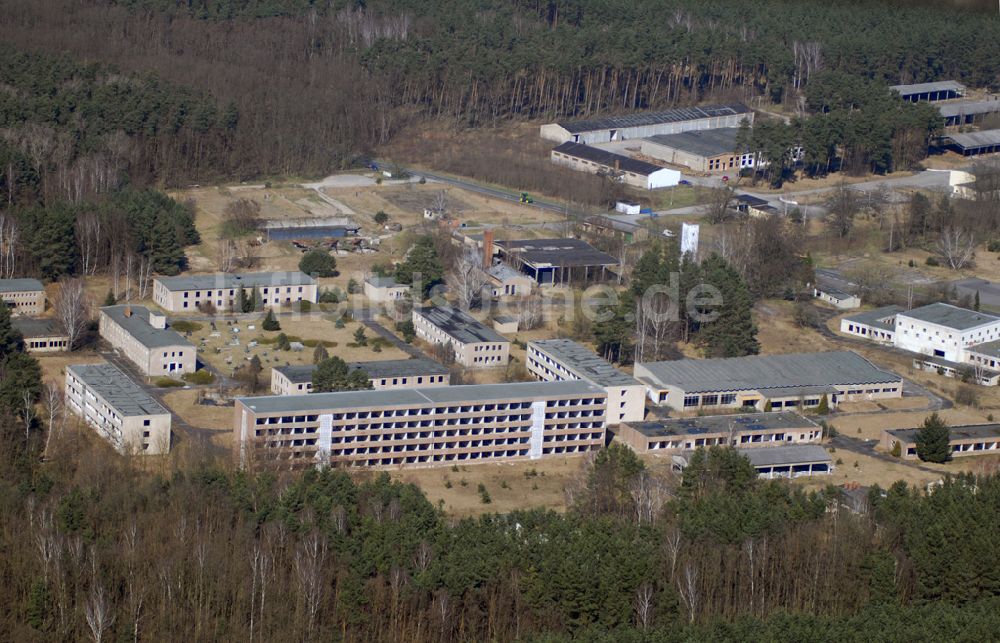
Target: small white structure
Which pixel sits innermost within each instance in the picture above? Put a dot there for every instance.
(689, 238)
(382, 290)
(627, 207)
(943, 330)
(623, 169)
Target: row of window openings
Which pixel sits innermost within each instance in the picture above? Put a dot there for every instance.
(491, 430)
(232, 293)
(477, 408)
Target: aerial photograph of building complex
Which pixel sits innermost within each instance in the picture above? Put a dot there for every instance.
(436, 322)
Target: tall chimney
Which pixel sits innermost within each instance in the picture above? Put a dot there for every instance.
(487, 248)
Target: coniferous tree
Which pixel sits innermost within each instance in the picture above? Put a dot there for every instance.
(11, 340)
(422, 262)
(333, 374)
(933, 439)
(975, 303)
(732, 333)
(270, 322)
(320, 354)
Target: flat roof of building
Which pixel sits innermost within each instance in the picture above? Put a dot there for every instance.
(606, 158)
(972, 140)
(875, 316)
(986, 348)
(562, 253)
(786, 455)
(383, 282)
(117, 389)
(968, 107)
(137, 325)
(763, 372)
(642, 119)
(20, 285)
(960, 432)
(958, 367)
(950, 316)
(584, 363)
(707, 143)
(230, 280)
(503, 272)
(721, 424)
(300, 374)
(38, 327)
(923, 88)
(459, 325)
(311, 222)
(471, 393)
(751, 200)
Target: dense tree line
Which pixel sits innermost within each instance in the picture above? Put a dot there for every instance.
(127, 235)
(80, 129)
(95, 544)
(303, 86)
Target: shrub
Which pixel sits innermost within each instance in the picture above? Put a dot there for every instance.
(824, 405)
(805, 315)
(282, 343)
(406, 329)
(318, 263)
(184, 326)
(305, 306)
(200, 377)
(270, 321)
(993, 245)
(932, 261)
(353, 287)
(484, 495)
(167, 382)
(331, 296)
(967, 395)
(897, 449)
(339, 323)
(381, 217)
(359, 336)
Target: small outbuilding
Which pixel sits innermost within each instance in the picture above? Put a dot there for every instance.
(618, 167)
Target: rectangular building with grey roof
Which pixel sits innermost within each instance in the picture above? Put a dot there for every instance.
(23, 296)
(932, 91)
(968, 112)
(45, 335)
(790, 381)
(474, 344)
(122, 412)
(188, 293)
(792, 461)
(422, 426)
(621, 168)
(943, 330)
(710, 151)
(383, 374)
(556, 360)
(963, 440)
(558, 261)
(746, 430)
(975, 143)
(878, 325)
(143, 337)
(643, 124)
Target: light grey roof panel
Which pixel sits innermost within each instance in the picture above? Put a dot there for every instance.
(117, 389)
(606, 158)
(707, 143)
(460, 325)
(922, 88)
(987, 348)
(744, 422)
(20, 285)
(300, 374)
(875, 317)
(793, 454)
(763, 372)
(472, 393)
(969, 108)
(228, 280)
(584, 362)
(985, 138)
(46, 327)
(383, 282)
(138, 327)
(960, 432)
(799, 391)
(643, 119)
(556, 252)
(950, 316)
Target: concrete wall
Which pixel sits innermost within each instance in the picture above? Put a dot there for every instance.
(641, 443)
(385, 294)
(847, 303)
(557, 133)
(869, 332)
(26, 302)
(53, 344)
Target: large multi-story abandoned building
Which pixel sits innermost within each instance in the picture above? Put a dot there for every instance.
(143, 337)
(23, 296)
(474, 344)
(222, 290)
(424, 426)
(123, 414)
(383, 374)
(765, 382)
(556, 360)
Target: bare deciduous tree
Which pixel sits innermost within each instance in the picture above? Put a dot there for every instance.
(650, 494)
(72, 308)
(687, 587)
(52, 400)
(98, 612)
(309, 560)
(957, 245)
(642, 605)
(467, 279)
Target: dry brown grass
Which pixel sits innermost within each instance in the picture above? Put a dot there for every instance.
(184, 404)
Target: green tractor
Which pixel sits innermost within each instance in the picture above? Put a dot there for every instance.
(527, 198)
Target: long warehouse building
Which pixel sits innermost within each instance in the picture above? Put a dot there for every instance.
(421, 427)
(643, 124)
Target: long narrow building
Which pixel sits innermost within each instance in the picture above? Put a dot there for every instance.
(421, 427)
